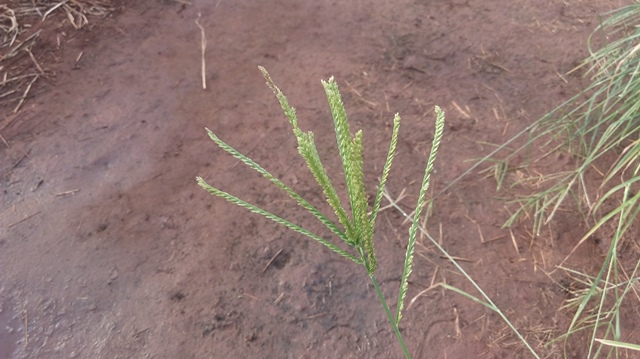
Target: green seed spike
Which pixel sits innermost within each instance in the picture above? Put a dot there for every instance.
(356, 185)
(237, 201)
(386, 169)
(345, 145)
(343, 135)
(359, 205)
(301, 201)
(289, 111)
(308, 151)
(408, 260)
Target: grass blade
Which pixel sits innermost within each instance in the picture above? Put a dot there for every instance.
(488, 300)
(617, 344)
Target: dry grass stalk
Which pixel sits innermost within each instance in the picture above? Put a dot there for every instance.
(203, 48)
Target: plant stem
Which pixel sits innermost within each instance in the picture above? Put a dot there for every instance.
(390, 317)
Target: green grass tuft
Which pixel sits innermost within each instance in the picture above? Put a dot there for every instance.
(599, 127)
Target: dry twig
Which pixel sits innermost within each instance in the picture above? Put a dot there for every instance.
(203, 47)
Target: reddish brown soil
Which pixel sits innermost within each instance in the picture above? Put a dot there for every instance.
(109, 249)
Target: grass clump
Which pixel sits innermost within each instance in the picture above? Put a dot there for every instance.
(599, 128)
(355, 229)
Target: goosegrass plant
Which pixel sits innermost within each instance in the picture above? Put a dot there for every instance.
(600, 128)
(355, 229)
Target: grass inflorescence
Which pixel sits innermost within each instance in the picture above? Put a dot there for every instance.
(355, 229)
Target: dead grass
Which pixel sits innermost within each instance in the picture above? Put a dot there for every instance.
(21, 25)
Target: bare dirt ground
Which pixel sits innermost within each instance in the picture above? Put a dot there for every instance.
(109, 249)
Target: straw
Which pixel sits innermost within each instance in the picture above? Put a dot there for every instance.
(21, 62)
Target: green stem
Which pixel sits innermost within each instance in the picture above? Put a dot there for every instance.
(390, 317)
